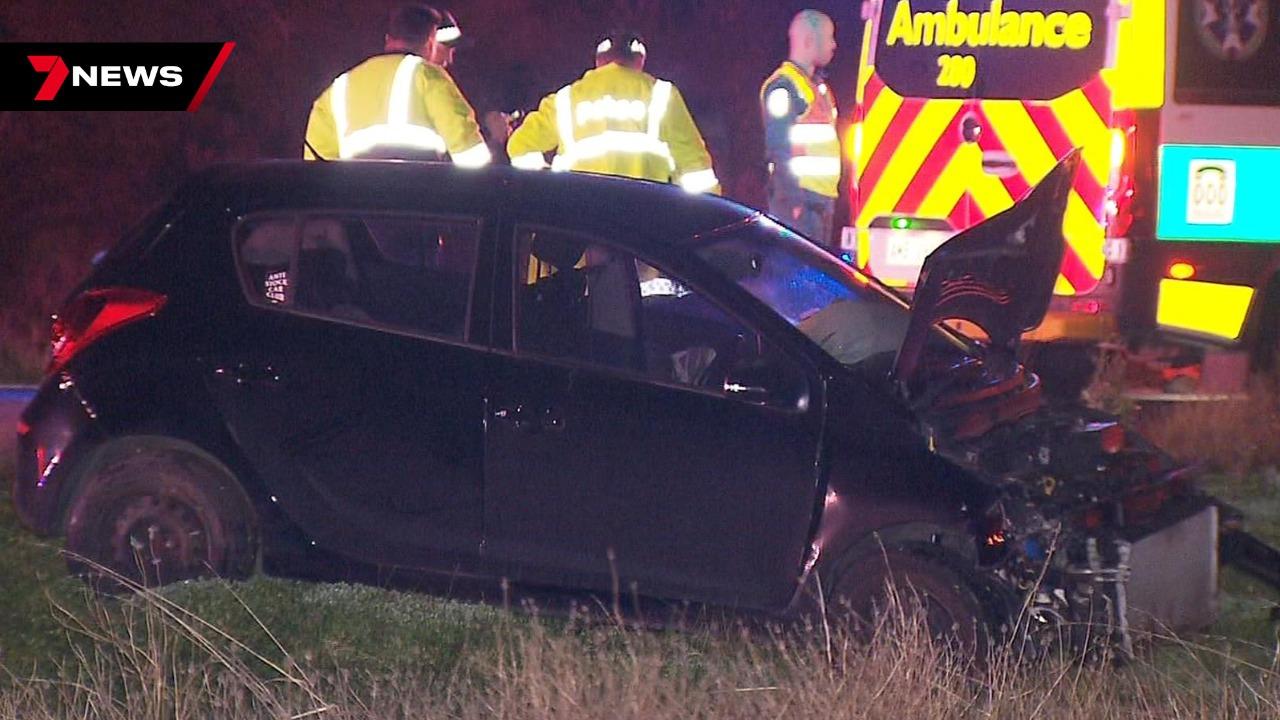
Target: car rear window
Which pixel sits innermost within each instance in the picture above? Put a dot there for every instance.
(141, 237)
(403, 272)
(988, 49)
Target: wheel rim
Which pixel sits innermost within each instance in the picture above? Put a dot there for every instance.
(158, 539)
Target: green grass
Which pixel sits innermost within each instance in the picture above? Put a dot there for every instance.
(352, 626)
(346, 651)
(371, 633)
(368, 627)
(1247, 603)
(339, 624)
(31, 576)
(1258, 495)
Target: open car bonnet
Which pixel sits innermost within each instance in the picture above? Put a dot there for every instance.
(998, 275)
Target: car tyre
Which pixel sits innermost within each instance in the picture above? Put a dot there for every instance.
(884, 587)
(152, 515)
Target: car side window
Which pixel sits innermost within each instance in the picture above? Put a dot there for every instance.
(576, 300)
(586, 301)
(691, 341)
(265, 252)
(401, 272)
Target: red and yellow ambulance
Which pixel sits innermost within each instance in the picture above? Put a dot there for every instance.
(963, 105)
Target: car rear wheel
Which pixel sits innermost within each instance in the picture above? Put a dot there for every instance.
(887, 589)
(156, 515)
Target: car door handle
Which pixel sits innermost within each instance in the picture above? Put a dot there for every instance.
(250, 374)
(552, 420)
(522, 418)
(513, 415)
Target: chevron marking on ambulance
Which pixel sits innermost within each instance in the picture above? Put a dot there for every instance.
(916, 163)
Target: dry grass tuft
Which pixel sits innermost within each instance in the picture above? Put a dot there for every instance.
(1232, 436)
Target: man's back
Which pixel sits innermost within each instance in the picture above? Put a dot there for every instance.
(617, 120)
(392, 105)
(617, 105)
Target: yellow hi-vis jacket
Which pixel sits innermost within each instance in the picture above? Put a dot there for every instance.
(395, 103)
(618, 121)
(800, 132)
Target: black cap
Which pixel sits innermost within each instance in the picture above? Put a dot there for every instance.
(413, 23)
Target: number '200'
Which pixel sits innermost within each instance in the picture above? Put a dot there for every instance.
(958, 71)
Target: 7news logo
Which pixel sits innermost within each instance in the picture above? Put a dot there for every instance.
(109, 76)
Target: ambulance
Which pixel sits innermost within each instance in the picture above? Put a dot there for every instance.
(963, 105)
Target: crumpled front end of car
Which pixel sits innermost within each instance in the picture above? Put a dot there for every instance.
(1098, 535)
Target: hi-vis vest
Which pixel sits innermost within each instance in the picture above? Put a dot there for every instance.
(617, 121)
(812, 146)
(395, 103)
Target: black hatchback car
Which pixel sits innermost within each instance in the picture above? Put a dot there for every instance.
(584, 384)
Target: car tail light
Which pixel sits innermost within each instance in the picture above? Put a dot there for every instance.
(92, 315)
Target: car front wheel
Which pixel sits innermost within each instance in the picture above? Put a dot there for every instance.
(886, 588)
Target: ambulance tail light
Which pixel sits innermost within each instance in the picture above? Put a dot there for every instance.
(1120, 191)
(853, 146)
(1181, 270)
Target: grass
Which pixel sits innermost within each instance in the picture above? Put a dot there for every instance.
(31, 575)
(155, 658)
(339, 624)
(19, 368)
(278, 648)
(1235, 437)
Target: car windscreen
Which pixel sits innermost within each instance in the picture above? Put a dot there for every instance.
(847, 314)
(989, 49)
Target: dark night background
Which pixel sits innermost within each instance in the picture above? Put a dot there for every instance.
(73, 182)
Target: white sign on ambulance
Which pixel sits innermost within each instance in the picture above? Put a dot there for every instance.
(1211, 192)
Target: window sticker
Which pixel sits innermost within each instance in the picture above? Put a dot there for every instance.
(274, 286)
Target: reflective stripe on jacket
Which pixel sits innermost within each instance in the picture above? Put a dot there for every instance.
(800, 131)
(618, 121)
(395, 104)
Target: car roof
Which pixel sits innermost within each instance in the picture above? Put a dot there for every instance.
(662, 211)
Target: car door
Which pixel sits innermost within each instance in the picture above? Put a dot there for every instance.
(614, 454)
(354, 386)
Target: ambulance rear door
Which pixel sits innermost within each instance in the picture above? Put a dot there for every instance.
(970, 104)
